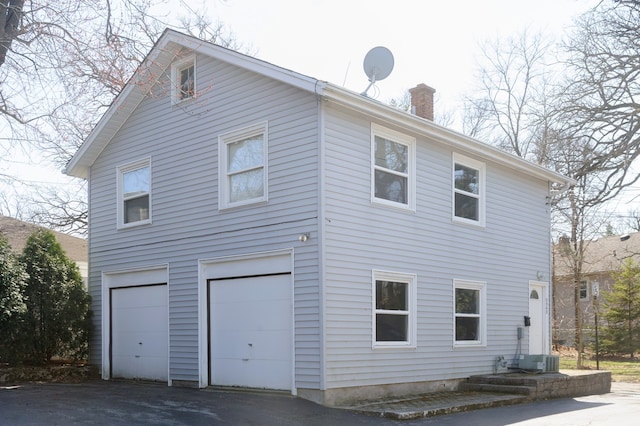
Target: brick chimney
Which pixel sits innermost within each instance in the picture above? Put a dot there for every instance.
(422, 101)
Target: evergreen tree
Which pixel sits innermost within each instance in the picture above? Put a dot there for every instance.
(12, 307)
(621, 334)
(57, 318)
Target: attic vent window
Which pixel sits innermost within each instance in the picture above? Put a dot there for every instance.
(183, 76)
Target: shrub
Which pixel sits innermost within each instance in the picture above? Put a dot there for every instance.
(12, 306)
(56, 321)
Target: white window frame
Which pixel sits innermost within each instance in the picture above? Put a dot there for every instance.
(481, 286)
(481, 168)
(176, 69)
(410, 142)
(224, 191)
(586, 290)
(120, 171)
(411, 312)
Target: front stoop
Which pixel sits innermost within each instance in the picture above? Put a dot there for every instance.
(540, 386)
(490, 391)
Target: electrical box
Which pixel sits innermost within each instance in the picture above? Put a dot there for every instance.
(520, 333)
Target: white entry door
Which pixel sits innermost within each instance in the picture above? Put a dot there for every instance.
(538, 330)
(251, 332)
(140, 333)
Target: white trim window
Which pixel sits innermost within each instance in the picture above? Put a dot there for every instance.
(469, 319)
(183, 78)
(392, 168)
(243, 166)
(468, 190)
(394, 309)
(134, 193)
(584, 290)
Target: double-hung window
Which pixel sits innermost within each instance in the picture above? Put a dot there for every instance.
(394, 309)
(183, 77)
(469, 313)
(392, 168)
(243, 166)
(468, 190)
(584, 290)
(134, 193)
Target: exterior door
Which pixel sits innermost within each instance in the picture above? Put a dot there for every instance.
(539, 328)
(140, 333)
(251, 332)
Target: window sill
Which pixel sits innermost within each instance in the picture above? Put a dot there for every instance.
(394, 206)
(467, 222)
(133, 225)
(377, 347)
(249, 203)
(470, 345)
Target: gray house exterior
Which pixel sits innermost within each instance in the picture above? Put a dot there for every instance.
(254, 227)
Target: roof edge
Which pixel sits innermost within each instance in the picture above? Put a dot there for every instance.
(442, 134)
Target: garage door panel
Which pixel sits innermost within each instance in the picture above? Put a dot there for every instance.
(139, 320)
(253, 374)
(258, 345)
(139, 333)
(249, 318)
(251, 332)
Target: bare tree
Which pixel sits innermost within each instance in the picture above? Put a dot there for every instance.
(584, 126)
(61, 64)
(509, 108)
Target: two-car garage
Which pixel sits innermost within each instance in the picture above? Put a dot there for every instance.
(245, 310)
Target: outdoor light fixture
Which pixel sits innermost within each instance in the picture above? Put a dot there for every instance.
(304, 237)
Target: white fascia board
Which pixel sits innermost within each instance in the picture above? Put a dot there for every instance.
(250, 63)
(120, 109)
(419, 125)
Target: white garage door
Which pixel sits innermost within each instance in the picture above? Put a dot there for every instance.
(139, 333)
(251, 332)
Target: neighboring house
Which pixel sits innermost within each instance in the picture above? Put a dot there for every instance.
(251, 226)
(601, 258)
(17, 232)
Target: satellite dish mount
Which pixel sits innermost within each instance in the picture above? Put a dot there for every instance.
(378, 64)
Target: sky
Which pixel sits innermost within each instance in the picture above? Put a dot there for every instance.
(432, 42)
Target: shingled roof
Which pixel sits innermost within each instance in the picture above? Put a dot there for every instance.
(17, 232)
(601, 255)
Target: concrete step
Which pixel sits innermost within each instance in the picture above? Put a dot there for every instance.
(499, 388)
(501, 379)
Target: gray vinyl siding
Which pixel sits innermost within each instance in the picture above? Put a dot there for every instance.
(510, 250)
(182, 142)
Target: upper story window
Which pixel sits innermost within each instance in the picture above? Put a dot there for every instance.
(183, 76)
(134, 193)
(470, 313)
(394, 309)
(468, 190)
(584, 290)
(392, 168)
(243, 166)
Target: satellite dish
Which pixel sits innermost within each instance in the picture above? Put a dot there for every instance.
(378, 64)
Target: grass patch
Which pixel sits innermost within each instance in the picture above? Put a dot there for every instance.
(622, 370)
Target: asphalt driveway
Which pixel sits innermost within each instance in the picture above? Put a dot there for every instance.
(128, 403)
